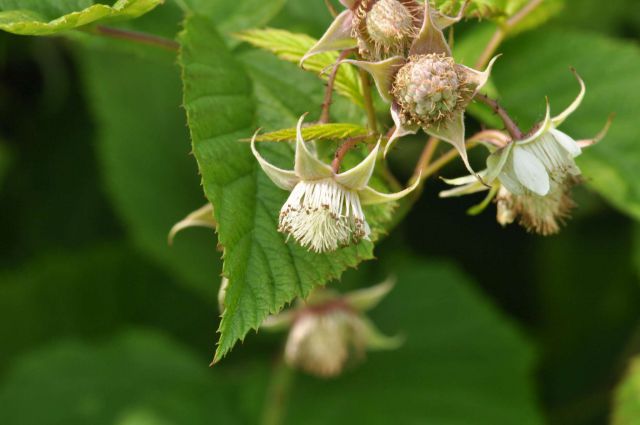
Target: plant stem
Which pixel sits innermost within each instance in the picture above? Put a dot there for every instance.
(328, 94)
(332, 10)
(344, 148)
(509, 124)
(368, 101)
(426, 157)
(503, 31)
(277, 398)
(137, 37)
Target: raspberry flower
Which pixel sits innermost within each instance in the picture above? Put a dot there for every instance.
(533, 177)
(378, 28)
(428, 89)
(324, 210)
(328, 330)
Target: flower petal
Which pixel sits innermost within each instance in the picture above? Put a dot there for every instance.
(566, 142)
(452, 132)
(382, 73)
(369, 196)
(401, 129)
(358, 177)
(543, 128)
(497, 161)
(430, 39)
(559, 119)
(337, 37)
(531, 172)
(307, 166)
(284, 179)
(478, 78)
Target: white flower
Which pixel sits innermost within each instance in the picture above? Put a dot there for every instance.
(329, 329)
(533, 177)
(324, 210)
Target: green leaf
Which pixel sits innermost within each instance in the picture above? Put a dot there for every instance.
(45, 17)
(231, 16)
(316, 132)
(139, 377)
(265, 271)
(611, 167)
(627, 402)
(292, 47)
(461, 359)
(144, 153)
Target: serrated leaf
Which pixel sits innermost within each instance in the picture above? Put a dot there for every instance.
(292, 47)
(611, 167)
(46, 17)
(236, 15)
(265, 272)
(626, 409)
(316, 132)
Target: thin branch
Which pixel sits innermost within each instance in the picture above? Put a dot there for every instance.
(426, 157)
(344, 149)
(368, 101)
(137, 37)
(509, 124)
(332, 9)
(278, 392)
(503, 31)
(328, 94)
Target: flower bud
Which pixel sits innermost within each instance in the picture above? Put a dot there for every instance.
(430, 90)
(320, 343)
(385, 27)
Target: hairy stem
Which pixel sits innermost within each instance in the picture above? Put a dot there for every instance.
(368, 101)
(426, 157)
(136, 37)
(328, 94)
(509, 124)
(278, 392)
(503, 31)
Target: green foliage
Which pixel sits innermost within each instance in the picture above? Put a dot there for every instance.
(46, 17)
(139, 377)
(143, 142)
(233, 16)
(611, 166)
(265, 271)
(461, 360)
(292, 47)
(627, 401)
(337, 131)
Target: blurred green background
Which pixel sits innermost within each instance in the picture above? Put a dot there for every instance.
(101, 322)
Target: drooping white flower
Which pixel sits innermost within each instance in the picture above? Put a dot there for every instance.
(533, 177)
(378, 28)
(428, 89)
(324, 210)
(328, 330)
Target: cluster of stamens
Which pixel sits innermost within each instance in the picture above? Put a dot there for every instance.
(385, 28)
(543, 215)
(430, 89)
(323, 216)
